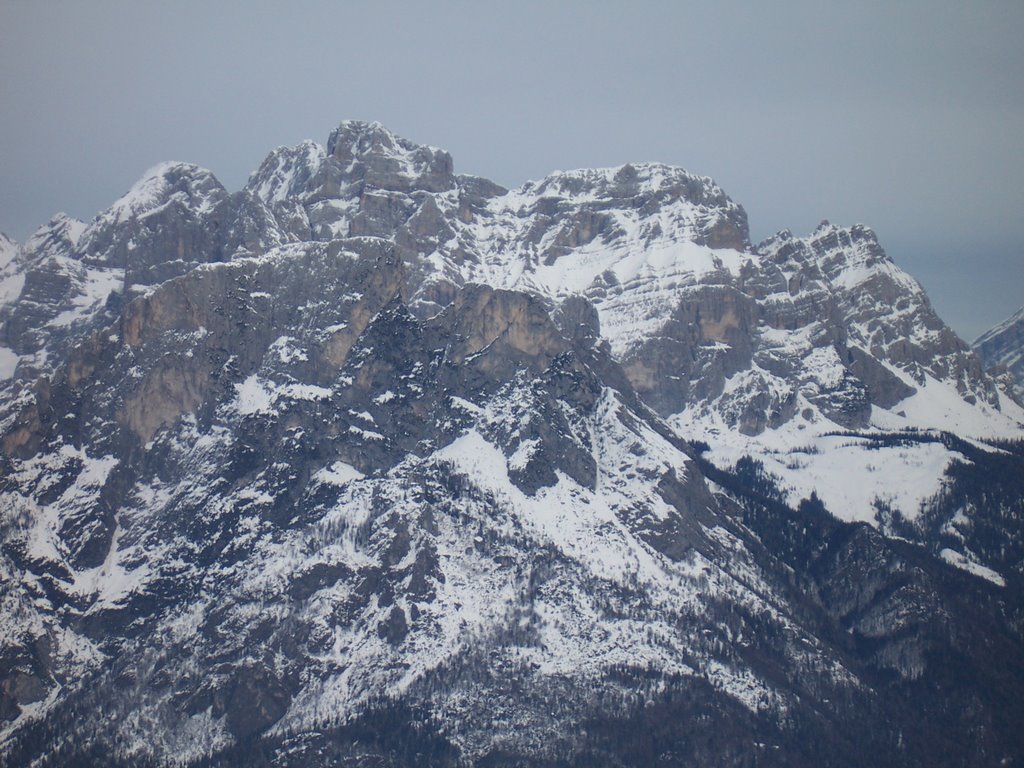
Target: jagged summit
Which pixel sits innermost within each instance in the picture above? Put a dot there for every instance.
(59, 235)
(629, 180)
(369, 461)
(639, 241)
(357, 138)
(370, 153)
(286, 172)
(186, 184)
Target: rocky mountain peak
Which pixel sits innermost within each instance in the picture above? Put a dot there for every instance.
(362, 135)
(160, 227)
(286, 172)
(852, 250)
(711, 217)
(371, 153)
(59, 235)
(186, 184)
(367, 460)
(630, 180)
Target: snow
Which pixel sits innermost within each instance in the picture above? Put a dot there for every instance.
(938, 405)
(635, 272)
(111, 583)
(151, 192)
(824, 367)
(74, 229)
(57, 237)
(578, 522)
(850, 474)
(8, 362)
(411, 159)
(961, 561)
(585, 185)
(588, 528)
(12, 276)
(667, 265)
(253, 397)
(365, 434)
(856, 260)
(465, 405)
(93, 289)
(277, 179)
(523, 454)
(43, 539)
(339, 473)
(11, 284)
(1017, 318)
(304, 392)
(613, 599)
(256, 395)
(743, 686)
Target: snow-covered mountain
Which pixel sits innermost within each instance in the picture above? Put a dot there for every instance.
(375, 463)
(1001, 349)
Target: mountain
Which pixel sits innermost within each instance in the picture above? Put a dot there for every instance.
(1001, 350)
(377, 464)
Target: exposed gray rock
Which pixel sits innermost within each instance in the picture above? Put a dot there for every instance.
(287, 172)
(368, 153)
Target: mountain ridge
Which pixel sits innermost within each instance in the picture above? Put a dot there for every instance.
(1001, 349)
(785, 337)
(376, 453)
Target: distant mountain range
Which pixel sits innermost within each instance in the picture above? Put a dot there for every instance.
(373, 463)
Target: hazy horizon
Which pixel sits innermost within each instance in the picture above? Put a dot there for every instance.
(905, 118)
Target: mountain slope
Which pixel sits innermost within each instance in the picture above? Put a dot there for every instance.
(375, 463)
(1001, 348)
(760, 351)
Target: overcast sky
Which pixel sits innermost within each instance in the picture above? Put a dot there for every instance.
(906, 116)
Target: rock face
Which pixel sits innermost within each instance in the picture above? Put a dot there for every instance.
(1001, 349)
(371, 463)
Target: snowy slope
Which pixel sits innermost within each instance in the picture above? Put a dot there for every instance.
(486, 535)
(786, 341)
(370, 434)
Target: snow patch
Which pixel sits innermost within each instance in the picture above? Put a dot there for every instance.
(339, 473)
(253, 396)
(8, 362)
(961, 561)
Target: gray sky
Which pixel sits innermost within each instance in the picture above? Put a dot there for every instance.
(906, 116)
